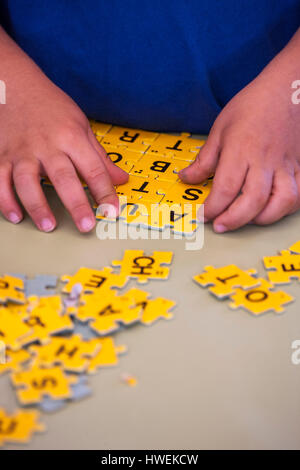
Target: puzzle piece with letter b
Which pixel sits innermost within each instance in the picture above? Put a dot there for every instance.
(18, 428)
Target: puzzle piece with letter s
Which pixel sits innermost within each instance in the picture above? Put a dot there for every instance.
(36, 383)
(260, 299)
(135, 264)
(282, 268)
(18, 428)
(225, 280)
(11, 289)
(92, 280)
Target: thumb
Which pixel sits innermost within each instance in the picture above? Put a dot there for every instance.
(204, 165)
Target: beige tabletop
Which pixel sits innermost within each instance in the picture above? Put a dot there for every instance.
(210, 378)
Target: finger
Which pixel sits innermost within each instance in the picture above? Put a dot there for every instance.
(64, 178)
(283, 199)
(227, 183)
(8, 203)
(118, 176)
(26, 176)
(204, 165)
(254, 197)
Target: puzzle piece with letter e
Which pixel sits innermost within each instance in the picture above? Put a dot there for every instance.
(71, 353)
(282, 268)
(225, 280)
(19, 427)
(107, 356)
(260, 299)
(11, 289)
(92, 280)
(36, 383)
(135, 264)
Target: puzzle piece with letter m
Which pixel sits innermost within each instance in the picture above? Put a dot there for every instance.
(135, 264)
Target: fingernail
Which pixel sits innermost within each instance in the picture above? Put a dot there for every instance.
(86, 224)
(111, 212)
(14, 218)
(47, 225)
(220, 228)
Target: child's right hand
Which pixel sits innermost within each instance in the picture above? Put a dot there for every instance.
(43, 132)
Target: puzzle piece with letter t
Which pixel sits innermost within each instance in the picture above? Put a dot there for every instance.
(37, 383)
(260, 299)
(139, 189)
(92, 280)
(177, 147)
(226, 279)
(283, 268)
(135, 264)
(11, 289)
(18, 428)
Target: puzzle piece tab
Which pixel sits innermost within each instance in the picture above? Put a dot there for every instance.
(19, 427)
(260, 299)
(283, 268)
(92, 280)
(156, 309)
(226, 279)
(135, 264)
(11, 289)
(133, 139)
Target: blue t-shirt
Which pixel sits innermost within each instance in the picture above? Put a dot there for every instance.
(167, 65)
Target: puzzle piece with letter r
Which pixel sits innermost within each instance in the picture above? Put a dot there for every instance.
(18, 428)
(133, 139)
(283, 268)
(92, 280)
(260, 299)
(11, 289)
(135, 264)
(37, 383)
(226, 279)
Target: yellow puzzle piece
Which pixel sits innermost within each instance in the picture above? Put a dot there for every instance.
(283, 268)
(14, 360)
(19, 427)
(260, 299)
(180, 147)
(153, 310)
(11, 289)
(99, 128)
(107, 355)
(13, 331)
(135, 264)
(226, 279)
(133, 139)
(72, 353)
(36, 383)
(295, 248)
(92, 280)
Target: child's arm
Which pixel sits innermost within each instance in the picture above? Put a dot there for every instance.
(42, 131)
(254, 150)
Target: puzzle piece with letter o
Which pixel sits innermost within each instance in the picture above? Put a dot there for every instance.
(135, 264)
(18, 428)
(226, 279)
(92, 280)
(282, 268)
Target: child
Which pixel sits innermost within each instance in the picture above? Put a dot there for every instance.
(158, 65)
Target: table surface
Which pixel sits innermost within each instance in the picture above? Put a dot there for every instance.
(210, 378)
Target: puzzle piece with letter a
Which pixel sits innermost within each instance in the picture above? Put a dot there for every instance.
(18, 428)
(282, 268)
(71, 353)
(11, 289)
(92, 280)
(135, 264)
(36, 383)
(260, 299)
(226, 279)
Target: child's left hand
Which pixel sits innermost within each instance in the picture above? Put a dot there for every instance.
(254, 150)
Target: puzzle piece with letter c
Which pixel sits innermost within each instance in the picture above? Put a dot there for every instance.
(260, 299)
(93, 280)
(18, 428)
(282, 268)
(225, 280)
(135, 264)
(11, 289)
(36, 383)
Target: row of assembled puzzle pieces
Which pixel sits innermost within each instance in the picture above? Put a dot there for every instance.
(153, 161)
(244, 289)
(52, 342)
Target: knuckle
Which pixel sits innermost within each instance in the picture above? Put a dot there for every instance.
(36, 209)
(79, 207)
(62, 175)
(227, 188)
(68, 134)
(95, 174)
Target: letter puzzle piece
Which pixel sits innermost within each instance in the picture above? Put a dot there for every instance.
(92, 280)
(181, 193)
(47, 319)
(71, 353)
(99, 128)
(177, 147)
(295, 248)
(283, 268)
(161, 169)
(122, 157)
(19, 427)
(133, 139)
(80, 390)
(260, 299)
(13, 331)
(14, 360)
(135, 264)
(107, 356)
(226, 279)
(140, 189)
(11, 288)
(36, 383)
(152, 310)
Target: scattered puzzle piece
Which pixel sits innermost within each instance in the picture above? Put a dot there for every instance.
(135, 264)
(19, 427)
(283, 268)
(14, 360)
(226, 279)
(129, 379)
(80, 390)
(92, 280)
(11, 289)
(152, 310)
(13, 331)
(107, 356)
(260, 299)
(295, 248)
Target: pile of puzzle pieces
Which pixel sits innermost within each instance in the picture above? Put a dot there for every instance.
(51, 342)
(154, 197)
(244, 289)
